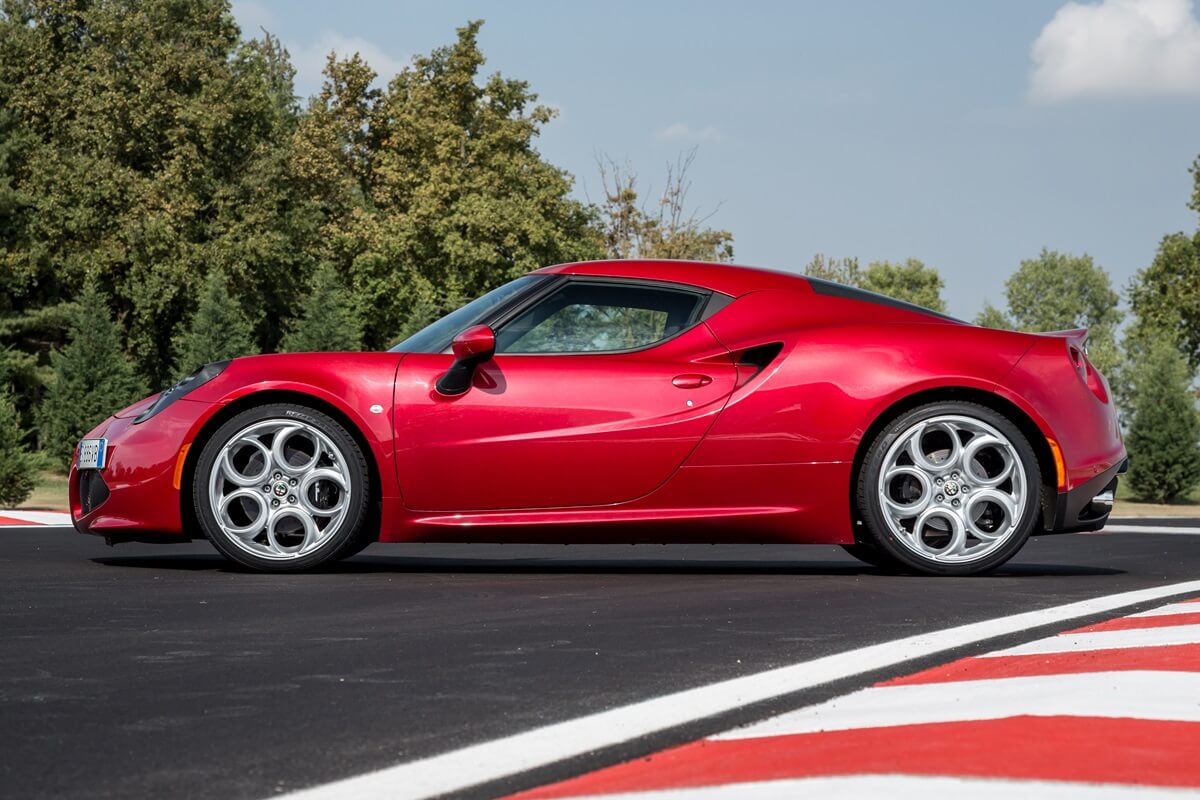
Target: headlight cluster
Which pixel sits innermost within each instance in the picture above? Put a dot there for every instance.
(188, 384)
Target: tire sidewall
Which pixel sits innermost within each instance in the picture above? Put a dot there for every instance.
(870, 507)
(356, 468)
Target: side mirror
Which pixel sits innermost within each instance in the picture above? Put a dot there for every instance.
(471, 348)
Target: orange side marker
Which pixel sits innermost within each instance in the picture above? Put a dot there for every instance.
(181, 458)
(1060, 469)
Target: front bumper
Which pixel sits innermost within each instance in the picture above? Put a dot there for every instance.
(1087, 506)
(134, 498)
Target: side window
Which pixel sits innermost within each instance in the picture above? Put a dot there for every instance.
(586, 317)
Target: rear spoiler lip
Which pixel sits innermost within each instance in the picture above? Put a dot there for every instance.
(1076, 336)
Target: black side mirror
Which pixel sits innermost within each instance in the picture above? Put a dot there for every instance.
(471, 348)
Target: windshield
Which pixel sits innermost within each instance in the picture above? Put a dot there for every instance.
(436, 337)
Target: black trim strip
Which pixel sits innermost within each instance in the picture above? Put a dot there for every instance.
(833, 289)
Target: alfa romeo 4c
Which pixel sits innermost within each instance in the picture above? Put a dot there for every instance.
(631, 402)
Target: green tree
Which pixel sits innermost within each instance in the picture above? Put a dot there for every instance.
(1058, 291)
(153, 148)
(992, 317)
(327, 321)
(669, 228)
(431, 189)
(1166, 295)
(217, 331)
(92, 378)
(839, 270)
(1164, 433)
(912, 282)
(18, 467)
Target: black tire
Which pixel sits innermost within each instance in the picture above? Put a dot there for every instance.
(878, 535)
(355, 531)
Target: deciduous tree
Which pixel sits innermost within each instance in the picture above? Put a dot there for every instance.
(1059, 291)
(911, 281)
(1166, 295)
(668, 228)
(153, 148)
(433, 191)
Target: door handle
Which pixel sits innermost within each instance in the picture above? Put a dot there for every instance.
(691, 381)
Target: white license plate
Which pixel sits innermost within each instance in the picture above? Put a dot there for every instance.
(92, 453)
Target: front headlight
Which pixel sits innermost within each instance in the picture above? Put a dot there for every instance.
(188, 384)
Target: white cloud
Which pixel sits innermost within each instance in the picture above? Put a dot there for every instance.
(681, 131)
(309, 60)
(1117, 47)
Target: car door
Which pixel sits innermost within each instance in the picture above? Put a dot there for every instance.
(598, 391)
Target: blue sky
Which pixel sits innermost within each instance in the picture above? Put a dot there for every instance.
(966, 134)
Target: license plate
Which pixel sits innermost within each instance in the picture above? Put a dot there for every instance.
(92, 453)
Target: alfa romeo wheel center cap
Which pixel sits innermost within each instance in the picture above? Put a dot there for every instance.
(280, 489)
(951, 488)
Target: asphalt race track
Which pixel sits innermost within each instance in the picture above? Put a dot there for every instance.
(144, 671)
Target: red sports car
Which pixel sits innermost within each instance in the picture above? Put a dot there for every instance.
(627, 401)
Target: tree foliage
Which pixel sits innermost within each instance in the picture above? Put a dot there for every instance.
(838, 270)
(669, 228)
(992, 317)
(1166, 295)
(92, 378)
(152, 150)
(432, 190)
(1164, 433)
(1059, 291)
(217, 331)
(911, 281)
(327, 321)
(18, 467)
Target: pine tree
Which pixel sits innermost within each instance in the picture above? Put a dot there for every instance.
(327, 321)
(1164, 435)
(218, 330)
(18, 467)
(92, 378)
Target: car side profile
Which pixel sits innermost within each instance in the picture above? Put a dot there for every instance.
(632, 402)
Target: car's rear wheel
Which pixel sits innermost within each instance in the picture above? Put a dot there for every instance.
(949, 488)
(283, 488)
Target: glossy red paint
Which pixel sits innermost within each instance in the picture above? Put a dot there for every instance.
(688, 440)
(475, 342)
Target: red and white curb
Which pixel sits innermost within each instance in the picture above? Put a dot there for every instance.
(893, 742)
(1107, 710)
(56, 519)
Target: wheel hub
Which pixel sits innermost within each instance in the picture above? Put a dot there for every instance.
(279, 489)
(925, 497)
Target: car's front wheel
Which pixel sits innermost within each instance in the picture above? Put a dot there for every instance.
(949, 488)
(282, 488)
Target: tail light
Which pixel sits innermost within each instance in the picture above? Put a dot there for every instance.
(1087, 373)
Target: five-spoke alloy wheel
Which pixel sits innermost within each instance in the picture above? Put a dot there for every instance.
(282, 488)
(949, 488)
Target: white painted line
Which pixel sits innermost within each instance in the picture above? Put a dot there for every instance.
(488, 761)
(1170, 610)
(1106, 640)
(1173, 696)
(1155, 529)
(56, 518)
(906, 787)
